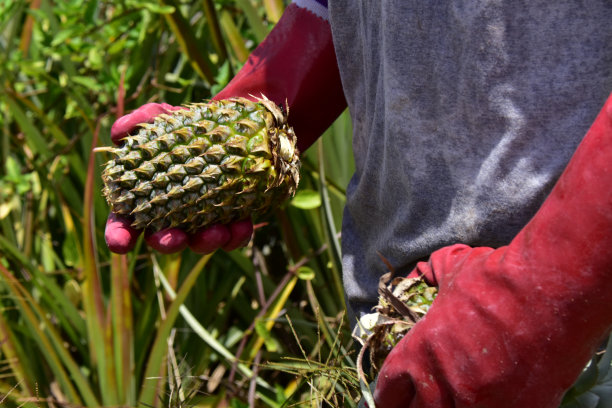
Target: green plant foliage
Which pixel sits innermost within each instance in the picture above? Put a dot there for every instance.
(593, 389)
(83, 327)
(307, 200)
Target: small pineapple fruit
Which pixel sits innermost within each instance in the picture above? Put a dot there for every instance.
(213, 162)
(401, 304)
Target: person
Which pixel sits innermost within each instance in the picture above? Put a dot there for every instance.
(472, 169)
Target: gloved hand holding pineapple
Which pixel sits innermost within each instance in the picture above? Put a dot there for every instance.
(515, 326)
(195, 176)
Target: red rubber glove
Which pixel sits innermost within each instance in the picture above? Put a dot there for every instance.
(294, 66)
(514, 326)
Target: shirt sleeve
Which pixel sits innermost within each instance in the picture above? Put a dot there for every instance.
(318, 7)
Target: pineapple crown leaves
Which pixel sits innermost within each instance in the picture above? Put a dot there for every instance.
(216, 161)
(402, 303)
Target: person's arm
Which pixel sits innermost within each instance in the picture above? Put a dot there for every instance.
(295, 66)
(514, 326)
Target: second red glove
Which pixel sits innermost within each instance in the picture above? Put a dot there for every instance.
(514, 326)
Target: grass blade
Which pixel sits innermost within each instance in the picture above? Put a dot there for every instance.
(215, 31)
(271, 315)
(50, 343)
(158, 352)
(207, 336)
(101, 354)
(51, 293)
(274, 10)
(36, 139)
(13, 353)
(234, 37)
(123, 337)
(257, 25)
(331, 233)
(185, 37)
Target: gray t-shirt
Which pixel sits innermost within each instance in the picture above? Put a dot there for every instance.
(465, 113)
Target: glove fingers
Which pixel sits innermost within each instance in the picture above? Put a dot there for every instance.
(145, 114)
(219, 236)
(394, 393)
(241, 232)
(168, 241)
(209, 239)
(441, 264)
(120, 236)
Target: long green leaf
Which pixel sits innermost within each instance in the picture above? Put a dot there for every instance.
(274, 9)
(331, 233)
(148, 393)
(234, 36)
(188, 43)
(123, 330)
(101, 353)
(59, 136)
(215, 30)
(257, 25)
(50, 342)
(13, 353)
(208, 337)
(52, 294)
(36, 139)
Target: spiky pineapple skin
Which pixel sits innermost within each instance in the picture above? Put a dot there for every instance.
(213, 162)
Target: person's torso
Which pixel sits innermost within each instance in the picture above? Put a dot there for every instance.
(464, 113)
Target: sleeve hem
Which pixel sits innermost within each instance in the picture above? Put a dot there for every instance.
(318, 7)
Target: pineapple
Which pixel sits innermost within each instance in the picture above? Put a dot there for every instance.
(213, 162)
(401, 304)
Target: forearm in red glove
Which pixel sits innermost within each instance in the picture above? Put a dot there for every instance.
(294, 66)
(514, 326)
